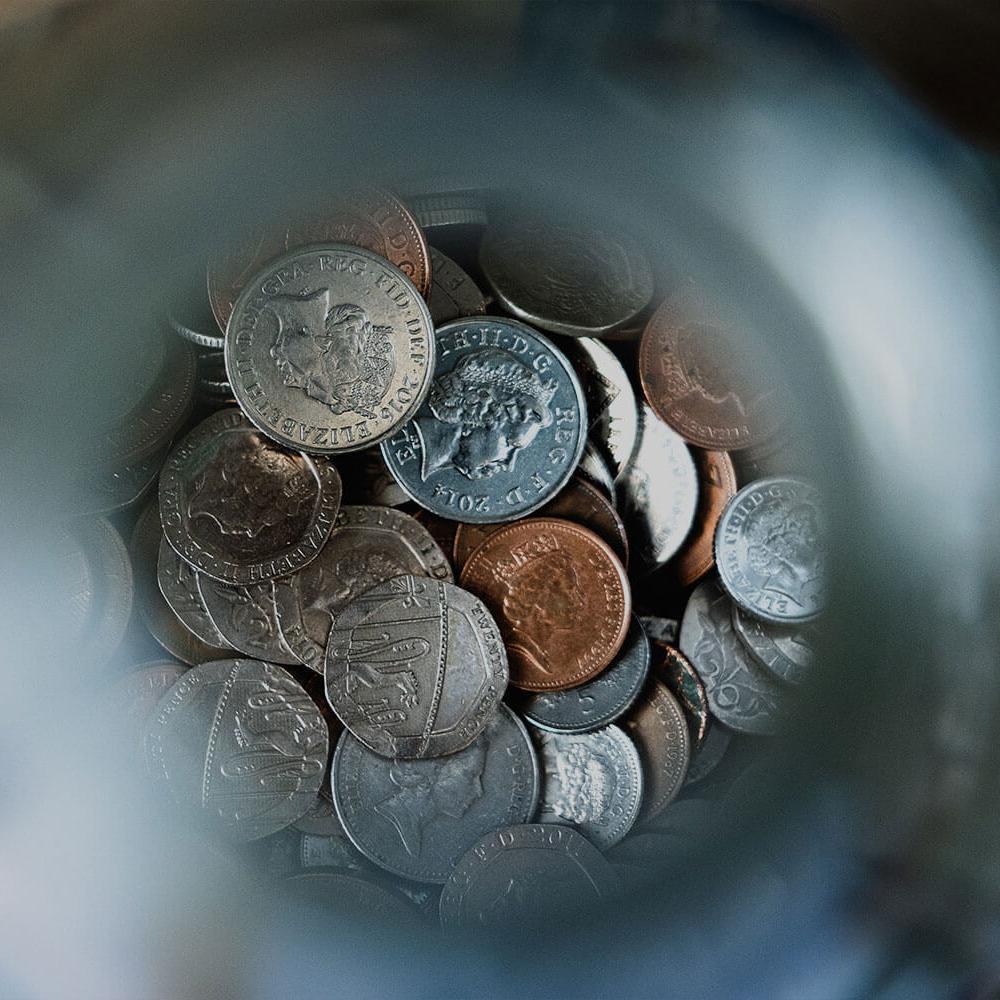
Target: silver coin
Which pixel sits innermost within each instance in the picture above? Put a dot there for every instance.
(368, 545)
(533, 875)
(659, 492)
(770, 548)
(786, 652)
(590, 781)
(741, 694)
(183, 329)
(416, 818)
(564, 278)
(178, 582)
(329, 349)
(328, 851)
(241, 510)
(241, 744)
(596, 471)
(599, 702)
(709, 755)
(502, 429)
(611, 405)
(106, 490)
(415, 667)
(321, 820)
(448, 208)
(367, 480)
(453, 293)
(246, 618)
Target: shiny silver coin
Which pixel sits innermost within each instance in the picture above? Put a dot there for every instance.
(741, 694)
(564, 278)
(453, 293)
(106, 490)
(785, 652)
(246, 618)
(502, 429)
(658, 491)
(592, 782)
(599, 702)
(368, 545)
(416, 818)
(537, 875)
(178, 582)
(240, 744)
(611, 405)
(185, 330)
(415, 667)
(770, 548)
(596, 471)
(709, 755)
(241, 510)
(329, 349)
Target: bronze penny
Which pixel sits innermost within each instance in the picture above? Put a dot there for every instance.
(716, 485)
(677, 672)
(373, 219)
(560, 596)
(579, 502)
(703, 380)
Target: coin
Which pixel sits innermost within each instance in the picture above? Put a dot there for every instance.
(453, 293)
(786, 652)
(598, 702)
(662, 629)
(611, 406)
(502, 429)
(329, 349)
(368, 545)
(367, 479)
(677, 672)
(659, 730)
(415, 667)
(130, 701)
(659, 493)
(595, 470)
(417, 817)
(716, 486)
(709, 755)
(771, 552)
(741, 694)
(565, 278)
(213, 341)
(538, 875)
(330, 851)
(178, 582)
(441, 530)
(590, 781)
(560, 595)
(702, 380)
(240, 743)
(239, 509)
(448, 208)
(321, 821)
(104, 490)
(369, 219)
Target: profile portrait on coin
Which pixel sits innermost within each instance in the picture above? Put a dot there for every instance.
(785, 547)
(335, 354)
(485, 410)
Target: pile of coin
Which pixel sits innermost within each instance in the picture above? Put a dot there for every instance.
(461, 586)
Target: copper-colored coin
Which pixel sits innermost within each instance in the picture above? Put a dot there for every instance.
(677, 672)
(579, 502)
(716, 485)
(373, 219)
(560, 596)
(704, 380)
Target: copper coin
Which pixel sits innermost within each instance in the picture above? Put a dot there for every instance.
(716, 484)
(703, 380)
(373, 219)
(677, 672)
(578, 502)
(560, 596)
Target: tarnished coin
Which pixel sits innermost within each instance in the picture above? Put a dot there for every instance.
(417, 817)
(741, 694)
(371, 219)
(565, 278)
(659, 493)
(239, 509)
(130, 701)
(703, 380)
(240, 743)
(356, 896)
(716, 487)
(598, 702)
(659, 729)
(415, 667)
(534, 875)
(611, 407)
(596, 471)
(368, 545)
(770, 547)
(329, 349)
(710, 754)
(560, 595)
(453, 293)
(592, 782)
(678, 673)
(178, 582)
(786, 652)
(502, 429)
